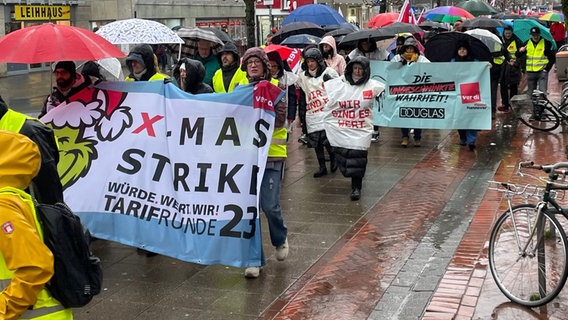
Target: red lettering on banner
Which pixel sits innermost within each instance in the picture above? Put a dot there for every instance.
(147, 124)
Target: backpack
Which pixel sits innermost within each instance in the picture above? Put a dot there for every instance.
(78, 274)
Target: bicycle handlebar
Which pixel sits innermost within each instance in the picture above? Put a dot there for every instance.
(551, 169)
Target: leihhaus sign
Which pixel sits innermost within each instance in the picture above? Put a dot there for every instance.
(42, 12)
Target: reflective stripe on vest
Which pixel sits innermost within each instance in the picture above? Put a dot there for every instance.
(12, 121)
(536, 60)
(278, 143)
(45, 304)
(500, 59)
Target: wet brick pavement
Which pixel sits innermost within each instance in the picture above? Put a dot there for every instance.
(413, 247)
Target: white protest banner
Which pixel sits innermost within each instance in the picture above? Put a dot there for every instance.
(148, 165)
(437, 95)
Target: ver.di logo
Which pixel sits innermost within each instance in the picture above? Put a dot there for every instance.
(470, 92)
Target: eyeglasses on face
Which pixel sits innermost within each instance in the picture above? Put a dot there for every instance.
(255, 62)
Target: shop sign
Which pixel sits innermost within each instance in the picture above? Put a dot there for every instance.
(42, 12)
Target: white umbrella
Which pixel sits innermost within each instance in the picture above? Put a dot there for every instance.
(491, 40)
(133, 31)
(110, 68)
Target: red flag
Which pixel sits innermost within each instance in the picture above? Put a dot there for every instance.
(404, 15)
(420, 17)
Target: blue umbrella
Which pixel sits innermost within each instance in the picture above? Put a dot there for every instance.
(522, 27)
(319, 14)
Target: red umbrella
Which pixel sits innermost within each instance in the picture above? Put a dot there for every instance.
(291, 55)
(382, 19)
(55, 42)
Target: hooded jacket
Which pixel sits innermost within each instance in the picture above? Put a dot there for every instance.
(26, 263)
(48, 188)
(333, 60)
(277, 149)
(195, 72)
(225, 79)
(143, 54)
(364, 62)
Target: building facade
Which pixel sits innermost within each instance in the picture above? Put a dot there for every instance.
(228, 15)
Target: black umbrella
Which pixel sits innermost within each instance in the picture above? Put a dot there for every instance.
(444, 46)
(294, 28)
(222, 35)
(482, 22)
(477, 7)
(338, 32)
(300, 41)
(507, 15)
(351, 40)
(429, 25)
(401, 27)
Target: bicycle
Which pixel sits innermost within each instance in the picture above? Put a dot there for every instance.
(528, 248)
(551, 114)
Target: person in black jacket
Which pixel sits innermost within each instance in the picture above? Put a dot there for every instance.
(46, 184)
(189, 74)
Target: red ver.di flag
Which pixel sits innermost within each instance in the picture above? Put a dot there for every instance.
(148, 165)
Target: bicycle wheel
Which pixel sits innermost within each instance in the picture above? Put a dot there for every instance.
(536, 276)
(548, 121)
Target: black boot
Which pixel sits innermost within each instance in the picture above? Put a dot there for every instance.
(356, 184)
(321, 161)
(355, 194)
(321, 172)
(333, 164)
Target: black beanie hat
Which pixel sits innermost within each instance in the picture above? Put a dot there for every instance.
(67, 65)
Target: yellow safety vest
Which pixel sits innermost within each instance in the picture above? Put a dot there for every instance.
(156, 76)
(512, 48)
(536, 60)
(219, 85)
(500, 59)
(278, 143)
(46, 307)
(13, 121)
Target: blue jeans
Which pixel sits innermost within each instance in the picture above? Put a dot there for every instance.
(468, 136)
(270, 201)
(417, 133)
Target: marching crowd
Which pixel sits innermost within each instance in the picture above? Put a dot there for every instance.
(326, 83)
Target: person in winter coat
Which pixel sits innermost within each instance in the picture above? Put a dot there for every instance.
(140, 63)
(349, 119)
(257, 67)
(206, 56)
(230, 74)
(315, 73)
(409, 53)
(512, 69)
(467, 136)
(368, 49)
(189, 75)
(46, 184)
(281, 71)
(68, 82)
(332, 59)
(26, 263)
